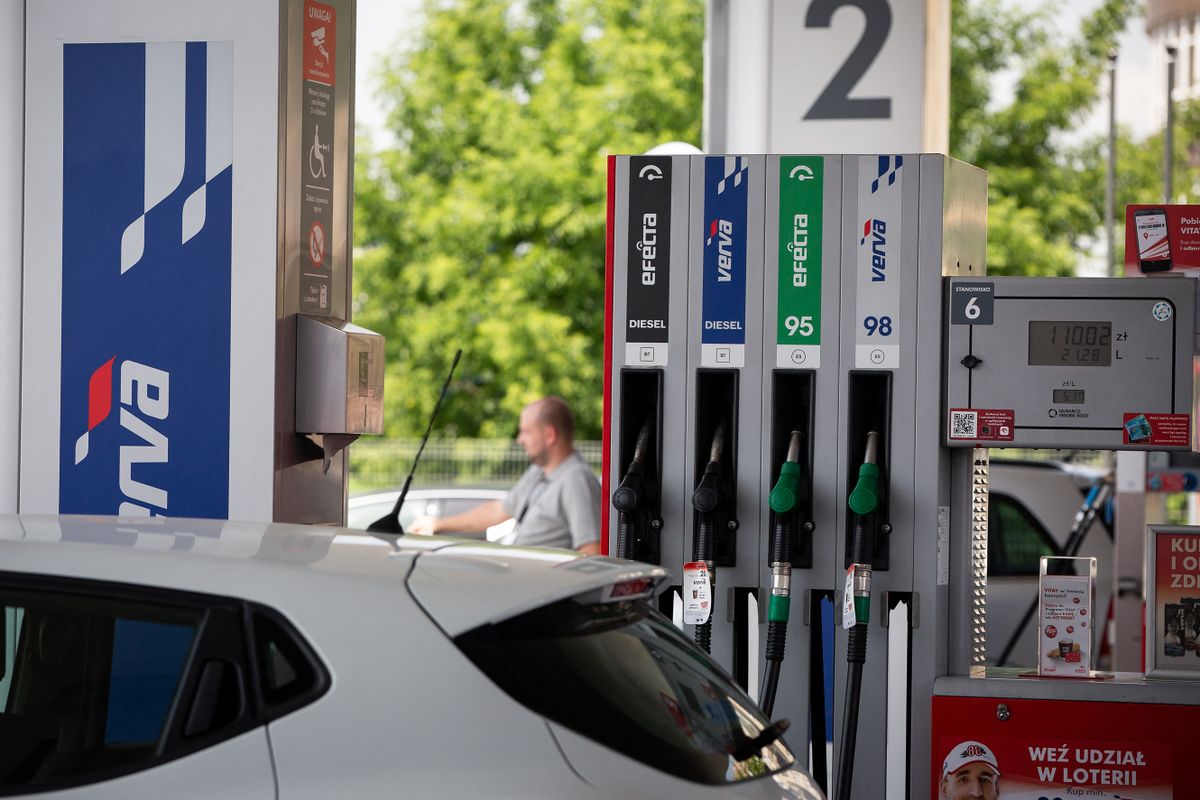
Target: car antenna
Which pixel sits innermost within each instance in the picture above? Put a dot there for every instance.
(390, 522)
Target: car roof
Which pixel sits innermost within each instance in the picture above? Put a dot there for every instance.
(390, 495)
(462, 584)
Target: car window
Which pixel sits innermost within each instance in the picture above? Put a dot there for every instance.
(457, 505)
(623, 675)
(1016, 540)
(89, 681)
(290, 674)
(101, 679)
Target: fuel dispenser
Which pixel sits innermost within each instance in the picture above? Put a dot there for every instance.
(843, 362)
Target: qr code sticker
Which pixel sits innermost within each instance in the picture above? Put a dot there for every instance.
(964, 425)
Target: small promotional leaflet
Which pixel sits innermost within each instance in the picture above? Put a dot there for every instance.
(1173, 603)
(1065, 617)
(1042, 768)
(1168, 430)
(697, 593)
(1159, 238)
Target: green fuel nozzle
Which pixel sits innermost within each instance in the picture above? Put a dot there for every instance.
(783, 496)
(865, 497)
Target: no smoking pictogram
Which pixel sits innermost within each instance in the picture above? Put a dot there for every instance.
(316, 244)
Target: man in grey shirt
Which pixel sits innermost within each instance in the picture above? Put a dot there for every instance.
(556, 503)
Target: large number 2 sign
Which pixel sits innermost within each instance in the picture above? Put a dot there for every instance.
(835, 101)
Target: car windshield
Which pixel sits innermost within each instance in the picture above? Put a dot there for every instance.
(623, 675)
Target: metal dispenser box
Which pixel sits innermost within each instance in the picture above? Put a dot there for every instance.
(339, 377)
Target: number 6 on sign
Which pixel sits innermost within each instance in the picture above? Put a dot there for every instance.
(802, 325)
(880, 325)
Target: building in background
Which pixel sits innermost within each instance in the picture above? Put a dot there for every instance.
(1172, 23)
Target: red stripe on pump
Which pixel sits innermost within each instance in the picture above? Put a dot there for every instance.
(608, 355)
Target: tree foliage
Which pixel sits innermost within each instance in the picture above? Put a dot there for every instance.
(483, 228)
(1045, 187)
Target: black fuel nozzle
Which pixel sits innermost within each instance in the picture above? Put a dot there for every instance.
(707, 496)
(864, 501)
(630, 497)
(782, 501)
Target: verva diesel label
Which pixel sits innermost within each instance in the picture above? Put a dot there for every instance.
(798, 332)
(723, 334)
(1171, 430)
(879, 270)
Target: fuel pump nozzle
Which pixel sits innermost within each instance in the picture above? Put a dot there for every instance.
(630, 496)
(782, 501)
(706, 500)
(863, 501)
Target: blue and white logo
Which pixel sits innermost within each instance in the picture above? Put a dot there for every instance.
(725, 213)
(146, 277)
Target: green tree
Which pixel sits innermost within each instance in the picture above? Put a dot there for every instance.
(1045, 192)
(483, 228)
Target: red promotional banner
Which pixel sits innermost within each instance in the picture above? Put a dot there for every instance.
(1159, 238)
(1047, 749)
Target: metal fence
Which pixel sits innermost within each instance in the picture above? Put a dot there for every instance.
(384, 463)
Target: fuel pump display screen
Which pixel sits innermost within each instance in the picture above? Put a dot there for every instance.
(1069, 397)
(1087, 363)
(1060, 343)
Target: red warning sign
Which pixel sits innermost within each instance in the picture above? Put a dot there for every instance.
(316, 244)
(320, 28)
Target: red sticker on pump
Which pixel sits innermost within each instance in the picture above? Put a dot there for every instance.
(982, 424)
(1169, 430)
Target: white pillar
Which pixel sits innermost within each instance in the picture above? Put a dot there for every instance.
(12, 110)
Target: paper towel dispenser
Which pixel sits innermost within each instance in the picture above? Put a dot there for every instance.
(339, 377)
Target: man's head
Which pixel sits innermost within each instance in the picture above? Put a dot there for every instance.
(547, 431)
(970, 772)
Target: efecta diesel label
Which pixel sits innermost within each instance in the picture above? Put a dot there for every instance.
(798, 330)
(648, 260)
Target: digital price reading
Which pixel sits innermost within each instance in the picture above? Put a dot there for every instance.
(1058, 343)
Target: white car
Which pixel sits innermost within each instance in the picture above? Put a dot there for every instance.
(364, 509)
(1032, 508)
(185, 659)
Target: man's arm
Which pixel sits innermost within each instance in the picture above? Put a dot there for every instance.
(581, 505)
(479, 518)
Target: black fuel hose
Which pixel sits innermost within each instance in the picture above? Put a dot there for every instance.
(706, 500)
(782, 501)
(863, 501)
(631, 494)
